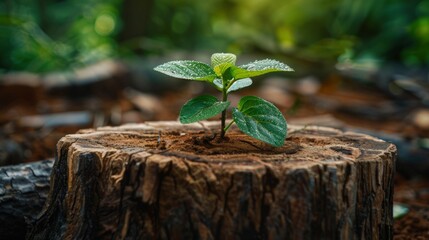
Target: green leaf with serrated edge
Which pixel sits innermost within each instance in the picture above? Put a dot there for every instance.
(221, 62)
(191, 70)
(239, 84)
(220, 58)
(201, 108)
(260, 119)
(259, 67)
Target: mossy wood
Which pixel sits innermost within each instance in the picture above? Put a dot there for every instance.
(164, 180)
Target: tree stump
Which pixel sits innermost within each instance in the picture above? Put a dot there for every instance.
(164, 180)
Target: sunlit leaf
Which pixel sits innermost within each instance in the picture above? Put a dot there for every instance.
(191, 70)
(221, 62)
(201, 108)
(221, 69)
(220, 58)
(259, 67)
(239, 84)
(260, 119)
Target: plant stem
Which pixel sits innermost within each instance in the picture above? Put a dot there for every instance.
(222, 127)
(229, 125)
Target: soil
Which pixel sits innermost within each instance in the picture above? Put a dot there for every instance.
(320, 142)
(233, 143)
(414, 194)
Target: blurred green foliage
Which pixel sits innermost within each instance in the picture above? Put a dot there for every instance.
(46, 35)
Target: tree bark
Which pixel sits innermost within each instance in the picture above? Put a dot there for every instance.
(164, 180)
(23, 191)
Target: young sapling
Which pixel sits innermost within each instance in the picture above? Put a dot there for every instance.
(254, 116)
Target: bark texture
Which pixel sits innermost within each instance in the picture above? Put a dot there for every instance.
(23, 191)
(163, 180)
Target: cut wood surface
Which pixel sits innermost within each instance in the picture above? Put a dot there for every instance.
(164, 180)
(23, 191)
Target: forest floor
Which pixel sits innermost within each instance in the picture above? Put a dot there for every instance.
(35, 115)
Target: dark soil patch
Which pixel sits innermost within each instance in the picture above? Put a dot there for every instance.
(413, 193)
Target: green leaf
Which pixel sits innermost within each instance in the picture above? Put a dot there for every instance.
(260, 119)
(259, 67)
(221, 70)
(201, 108)
(218, 83)
(221, 58)
(239, 84)
(221, 62)
(191, 70)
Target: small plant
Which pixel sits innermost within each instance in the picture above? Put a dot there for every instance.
(254, 116)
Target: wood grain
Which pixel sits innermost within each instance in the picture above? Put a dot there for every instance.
(164, 180)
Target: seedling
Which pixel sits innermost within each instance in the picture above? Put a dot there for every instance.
(254, 116)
